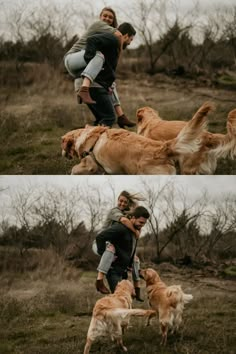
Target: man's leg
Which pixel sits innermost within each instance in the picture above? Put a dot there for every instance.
(113, 278)
(122, 120)
(103, 110)
(136, 278)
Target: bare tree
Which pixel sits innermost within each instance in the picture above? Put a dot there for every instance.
(222, 222)
(229, 30)
(172, 212)
(158, 25)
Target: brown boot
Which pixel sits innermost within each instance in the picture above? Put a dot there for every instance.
(137, 292)
(84, 94)
(101, 287)
(123, 121)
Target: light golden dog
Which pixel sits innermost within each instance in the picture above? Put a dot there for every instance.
(68, 143)
(87, 166)
(112, 313)
(119, 151)
(213, 146)
(168, 301)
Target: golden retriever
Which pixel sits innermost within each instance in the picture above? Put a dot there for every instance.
(111, 315)
(119, 151)
(87, 166)
(68, 143)
(213, 146)
(167, 301)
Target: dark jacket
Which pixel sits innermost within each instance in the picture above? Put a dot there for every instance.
(108, 44)
(122, 238)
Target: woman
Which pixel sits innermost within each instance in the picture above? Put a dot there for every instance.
(126, 202)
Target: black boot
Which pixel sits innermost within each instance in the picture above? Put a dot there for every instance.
(137, 292)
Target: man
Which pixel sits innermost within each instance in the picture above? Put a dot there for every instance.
(125, 244)
(101, 88)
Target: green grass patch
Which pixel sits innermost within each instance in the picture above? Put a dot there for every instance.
(231, 271)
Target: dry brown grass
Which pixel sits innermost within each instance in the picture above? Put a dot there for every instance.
(48, 310)
(38, 106)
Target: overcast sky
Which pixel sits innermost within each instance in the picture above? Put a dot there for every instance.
(194, 185)
(187, 190)
(122, 7)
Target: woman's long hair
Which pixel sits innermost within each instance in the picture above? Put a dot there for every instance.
(133, 199)
(115, 23)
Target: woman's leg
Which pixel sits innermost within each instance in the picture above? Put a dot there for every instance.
(75, 62)
(107, 258)
(104, 265)
(122, 120)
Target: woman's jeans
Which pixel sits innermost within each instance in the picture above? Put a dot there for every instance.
(74, 62)
(108, 258)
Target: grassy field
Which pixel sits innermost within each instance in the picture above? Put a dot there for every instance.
(36, 112)
(48, 310)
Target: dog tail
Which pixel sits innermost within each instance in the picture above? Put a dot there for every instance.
(227, 148)
(189, 138)
(127, 313)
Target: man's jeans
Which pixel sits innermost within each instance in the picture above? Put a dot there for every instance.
(114, 277)
(103, 110)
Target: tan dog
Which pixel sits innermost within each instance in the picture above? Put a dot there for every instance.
(119, 151)
(68, 143)
(168, 301)
(111, 315)
(213, 146)
(87, 166)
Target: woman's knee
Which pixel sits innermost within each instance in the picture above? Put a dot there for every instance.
(110, 247)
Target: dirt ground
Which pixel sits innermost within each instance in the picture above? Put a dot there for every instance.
(34, 118)
(52, 314)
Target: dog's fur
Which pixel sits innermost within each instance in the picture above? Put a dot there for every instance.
(111, 315)
(213, 146)
(119, 151)
(167, 301)
(68, 143)
(87, 166)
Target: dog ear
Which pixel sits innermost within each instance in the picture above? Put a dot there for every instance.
(67, 143)
(139, 115)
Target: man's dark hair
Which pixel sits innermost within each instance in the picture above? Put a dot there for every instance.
(140, 211)
(127, 28)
